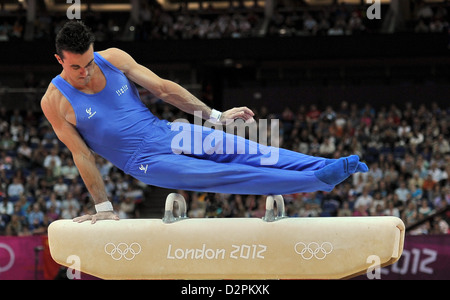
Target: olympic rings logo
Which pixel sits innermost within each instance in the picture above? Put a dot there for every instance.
(313, 249)
(122, 250)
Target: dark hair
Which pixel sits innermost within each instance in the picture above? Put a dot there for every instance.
(74, 37)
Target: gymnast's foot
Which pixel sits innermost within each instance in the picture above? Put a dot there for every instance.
(339, 170)
(362, 167)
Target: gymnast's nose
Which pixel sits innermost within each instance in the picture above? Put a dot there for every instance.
(84, 72)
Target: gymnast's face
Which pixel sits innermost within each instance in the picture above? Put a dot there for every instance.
(78, 68)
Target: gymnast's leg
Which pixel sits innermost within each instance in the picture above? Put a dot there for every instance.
(213, 168)
(219, 146)
(194, 174)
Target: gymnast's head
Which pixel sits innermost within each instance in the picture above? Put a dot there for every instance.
(74, 37)
(75, 50)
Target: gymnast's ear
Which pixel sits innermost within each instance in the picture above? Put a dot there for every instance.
(59, 59)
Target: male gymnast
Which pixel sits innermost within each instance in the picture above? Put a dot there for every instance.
(94, 107)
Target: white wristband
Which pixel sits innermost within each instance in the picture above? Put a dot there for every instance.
(215, 115)
(104, 206)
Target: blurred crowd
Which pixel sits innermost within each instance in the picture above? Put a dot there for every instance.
(154, 22)
(406, 147)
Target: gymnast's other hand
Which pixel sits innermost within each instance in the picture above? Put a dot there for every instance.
(104, 215)
(243, 113)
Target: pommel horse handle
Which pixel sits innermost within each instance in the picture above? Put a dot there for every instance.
(269, 216)
(270, 213)
(168, 213)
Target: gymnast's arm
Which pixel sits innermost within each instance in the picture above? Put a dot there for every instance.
(54, 110)
(167, 90)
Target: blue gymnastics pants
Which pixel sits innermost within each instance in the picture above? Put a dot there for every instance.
(196, 158)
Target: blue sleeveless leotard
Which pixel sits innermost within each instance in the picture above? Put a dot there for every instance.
(115, 124)
(112, 122)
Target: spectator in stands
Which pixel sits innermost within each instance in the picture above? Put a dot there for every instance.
(68, 170)
(7, 142)
(355, 23)
(327, 147)
(410, 214)
(41, 228)
(6, 211)
(260, 209)
(24, 149)
(375, 172)
(60, 188)
(391, 210)
(22, 208)
(436, 173)
(15, 226)
(54, 203)
(70, 201)
(52, 160)
(127, 208)
(4, 37)
(313, 114)
(6, 206)
(309, 210)
(365, 199)
(424, 209)
(197, 209)
(338, 28)
(442, 226)
(237, 208)
(360, 211)
(52, 214)
(424, 12)
(416, 192)
(69, 212)
(344, 210)
(16, 188)
(440, 201)
(378, 204)
(35, 217)
(17, 30)
(402, 191)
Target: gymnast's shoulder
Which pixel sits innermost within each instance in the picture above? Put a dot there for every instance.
(51, 95)
(55, 105)
(119, 58)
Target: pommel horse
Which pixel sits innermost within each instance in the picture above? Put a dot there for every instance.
(272, 247)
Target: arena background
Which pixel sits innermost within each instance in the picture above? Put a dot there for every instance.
(280, 58)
